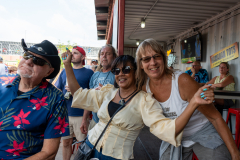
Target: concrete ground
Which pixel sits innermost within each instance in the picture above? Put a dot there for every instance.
(59, 154)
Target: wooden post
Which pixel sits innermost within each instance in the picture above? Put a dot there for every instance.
(121, 19)
(110, 29)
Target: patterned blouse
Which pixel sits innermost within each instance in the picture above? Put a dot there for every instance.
(26, 120)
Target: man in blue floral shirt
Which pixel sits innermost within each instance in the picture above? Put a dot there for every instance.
(33, 113)
(197, 73)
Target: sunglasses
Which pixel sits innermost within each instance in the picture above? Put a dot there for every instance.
(36, 60)
(125, 70)
(148, 58)
(74, 47)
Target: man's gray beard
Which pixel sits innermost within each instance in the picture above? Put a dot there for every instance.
(106, 67)
(24, 75)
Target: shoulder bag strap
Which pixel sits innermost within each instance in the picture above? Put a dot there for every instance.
(112, 118)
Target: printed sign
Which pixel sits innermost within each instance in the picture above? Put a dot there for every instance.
(224, 55)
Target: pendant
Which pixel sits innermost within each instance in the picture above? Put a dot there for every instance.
(121, 101)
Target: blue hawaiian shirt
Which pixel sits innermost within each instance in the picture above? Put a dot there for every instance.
(26, 120)
(201, 76)
(5, 79)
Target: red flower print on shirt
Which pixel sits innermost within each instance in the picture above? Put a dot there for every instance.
(17, 148)
(62, 125)
(42, 136)
(0, 125)
(44, 84)
(20, 119)
(7, 80)
(38, 103)
(50, 117)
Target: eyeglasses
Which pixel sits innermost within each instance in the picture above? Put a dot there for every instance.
(148, 58)
(36, 60)
(195, 65)
(125, 70)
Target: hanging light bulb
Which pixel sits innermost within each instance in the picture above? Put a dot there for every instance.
(137, 42)
(143, 23)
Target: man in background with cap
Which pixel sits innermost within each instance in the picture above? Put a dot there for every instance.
(33, 112)
(3, 67)
(94, 64)
(83, 76)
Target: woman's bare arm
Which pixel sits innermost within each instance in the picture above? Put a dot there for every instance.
(183, 119)
(210, 112)
(211, 81)
(228, 80)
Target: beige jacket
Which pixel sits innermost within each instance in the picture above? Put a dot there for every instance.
(121, 134)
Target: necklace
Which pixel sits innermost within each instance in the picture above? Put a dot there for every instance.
(122, 101)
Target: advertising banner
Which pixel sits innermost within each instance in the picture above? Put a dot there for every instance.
(224, 55)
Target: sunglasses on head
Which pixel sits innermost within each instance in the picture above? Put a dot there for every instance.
(36, 60)
(148, 58)
(74, 47)
(125, 70)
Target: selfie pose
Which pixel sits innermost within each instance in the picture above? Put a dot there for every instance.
(143, 109)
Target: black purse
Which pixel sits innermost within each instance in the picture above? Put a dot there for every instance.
(85, 152)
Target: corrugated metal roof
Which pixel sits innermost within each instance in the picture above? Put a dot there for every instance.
(168, 17)
(164, 18)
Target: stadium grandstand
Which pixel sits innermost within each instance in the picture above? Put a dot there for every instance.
(13, 50)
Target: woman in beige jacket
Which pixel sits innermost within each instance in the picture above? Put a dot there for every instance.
(143, 109)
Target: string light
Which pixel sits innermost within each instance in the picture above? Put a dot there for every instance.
(143, 23)
(137, 42)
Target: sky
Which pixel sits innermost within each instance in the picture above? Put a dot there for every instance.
(58, 21)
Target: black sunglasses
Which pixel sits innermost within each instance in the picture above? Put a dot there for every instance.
(36, 60)
(125, 70)
(148, 58)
